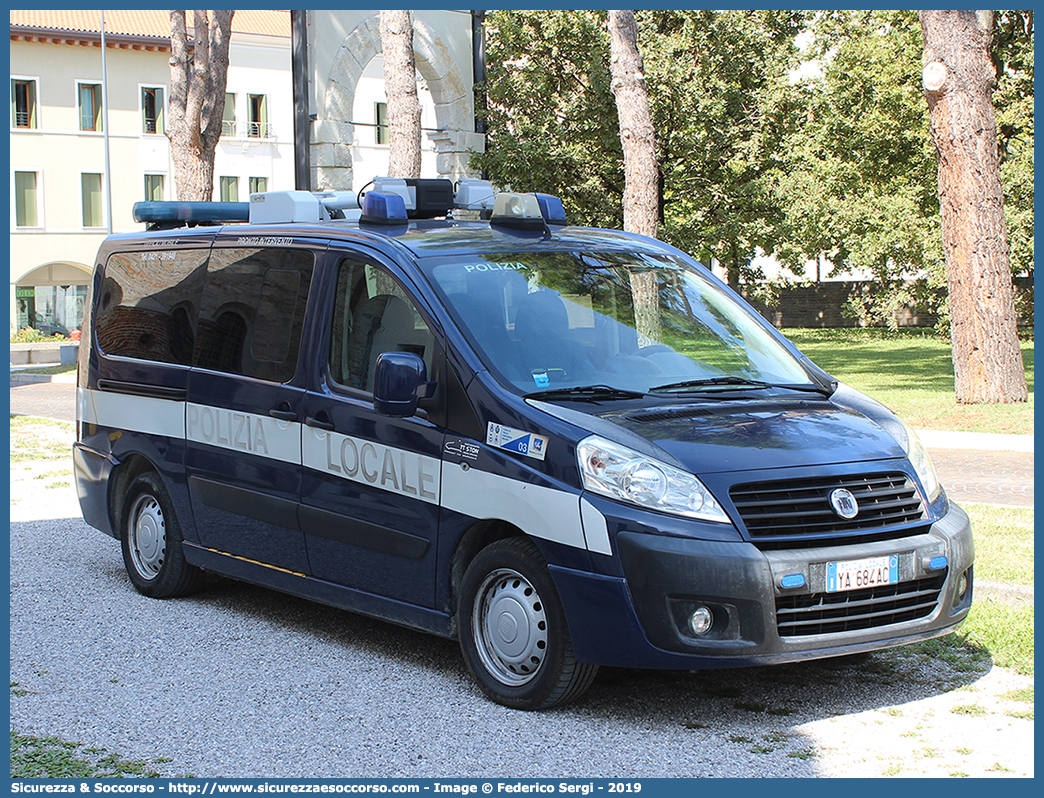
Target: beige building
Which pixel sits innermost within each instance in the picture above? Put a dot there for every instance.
(71, 115)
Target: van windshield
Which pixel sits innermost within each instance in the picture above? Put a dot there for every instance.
(628, 322)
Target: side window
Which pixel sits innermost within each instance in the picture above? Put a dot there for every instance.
(152, 110)
(23, 103)
(372, 314)
(228, 118)
(148, 304)
(90, 99)
(253, 310)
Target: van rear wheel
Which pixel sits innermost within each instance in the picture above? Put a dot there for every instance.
(151, 541)
(513, 630)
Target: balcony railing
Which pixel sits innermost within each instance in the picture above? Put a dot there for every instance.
(246, 130)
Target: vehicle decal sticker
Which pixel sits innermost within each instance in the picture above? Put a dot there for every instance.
(595, 530)
(371, 463)
(145, 414)
(248, 432)
(539, 511)
(543, 512)
(516, 440)
(465, 450)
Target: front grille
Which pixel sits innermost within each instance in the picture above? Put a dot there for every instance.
(869, 608)
(798, 512)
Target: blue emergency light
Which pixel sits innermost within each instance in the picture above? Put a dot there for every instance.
(552, 209)
(179, 214)
(383, 209)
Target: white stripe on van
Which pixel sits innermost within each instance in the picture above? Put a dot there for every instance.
(371, 463)
(264, 436)
(145, 414)
(595, 530)
(542, 512)
(538, 511)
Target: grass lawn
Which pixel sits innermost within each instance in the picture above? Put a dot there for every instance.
(1003, 543)
(51, 758)
(68, 368)
(1001, 628)
(911, 372)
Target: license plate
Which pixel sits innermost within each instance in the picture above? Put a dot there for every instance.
(859, 574)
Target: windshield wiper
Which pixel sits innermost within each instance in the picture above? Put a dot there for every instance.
(740, 383)
(585, 393)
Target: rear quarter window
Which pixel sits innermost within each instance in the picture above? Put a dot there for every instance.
(148, 303)
(252, 311)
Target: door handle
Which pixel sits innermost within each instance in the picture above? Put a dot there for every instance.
(283, 415)
(319, 423)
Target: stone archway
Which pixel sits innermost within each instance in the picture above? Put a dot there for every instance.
(333, 133)
(50, 297)
(56, 273)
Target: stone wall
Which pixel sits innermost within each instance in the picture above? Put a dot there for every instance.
(823, 305)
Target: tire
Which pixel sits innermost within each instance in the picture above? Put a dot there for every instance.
(151, 540)
(513, 630)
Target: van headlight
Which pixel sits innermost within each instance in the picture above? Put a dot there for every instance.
(621, 473)
(922, 463)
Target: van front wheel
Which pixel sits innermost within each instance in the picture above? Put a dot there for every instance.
(513, 631)
(151, 541)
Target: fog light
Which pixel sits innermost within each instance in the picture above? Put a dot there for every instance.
(701, 621)
(962, 585)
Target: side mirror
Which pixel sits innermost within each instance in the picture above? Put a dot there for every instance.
(400, 380)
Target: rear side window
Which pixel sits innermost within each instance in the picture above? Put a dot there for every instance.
(252, 312)
(148, 303)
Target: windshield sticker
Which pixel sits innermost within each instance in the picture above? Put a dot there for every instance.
(515, 440)
(494, 267)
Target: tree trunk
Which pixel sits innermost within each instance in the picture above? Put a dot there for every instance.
(400, 87)
(959, 79)
(641, 199)
(197, 99)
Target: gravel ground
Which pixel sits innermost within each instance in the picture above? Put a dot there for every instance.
(239, 681)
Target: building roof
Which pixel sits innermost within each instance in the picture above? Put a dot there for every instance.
(77, 26)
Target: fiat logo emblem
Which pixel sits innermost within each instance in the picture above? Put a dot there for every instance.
(844, 503)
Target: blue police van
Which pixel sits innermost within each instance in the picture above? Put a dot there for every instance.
(564, 447)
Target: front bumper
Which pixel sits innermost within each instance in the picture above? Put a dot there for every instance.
(641, 620)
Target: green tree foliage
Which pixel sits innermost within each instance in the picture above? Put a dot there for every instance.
(714, 81)
(718, 84)
(860, 181)
(552, 118)
(1013, 57)
(837, 165)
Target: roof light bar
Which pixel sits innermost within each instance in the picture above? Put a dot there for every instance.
(179, 214)
(393, 201)
(383, 209)
(474, 195)
(551, 209)
(517, 211)
(282, 207)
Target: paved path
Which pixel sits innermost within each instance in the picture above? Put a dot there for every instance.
(44, 399)
(969, 474)
(979, 477)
